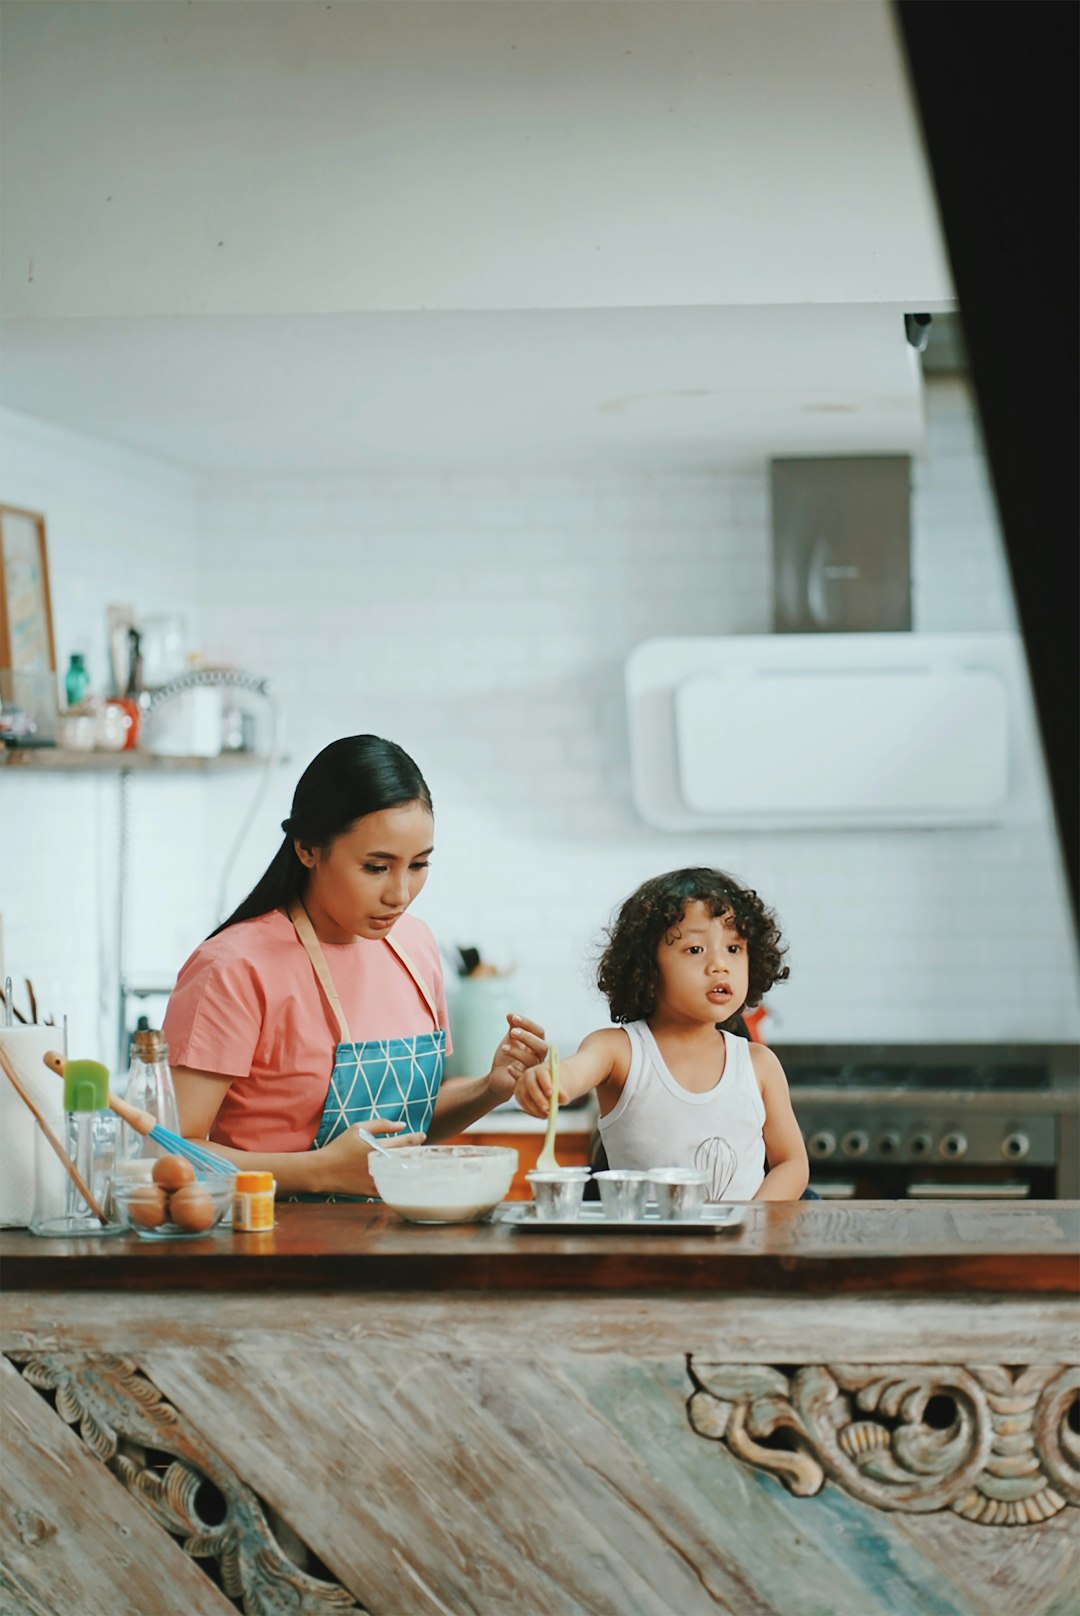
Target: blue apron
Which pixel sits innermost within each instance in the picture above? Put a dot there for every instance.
(394, 1078)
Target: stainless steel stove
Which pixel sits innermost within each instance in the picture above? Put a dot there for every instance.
(938, 1120)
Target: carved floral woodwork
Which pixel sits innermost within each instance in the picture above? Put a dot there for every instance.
(993, 1443)
(123, 1419)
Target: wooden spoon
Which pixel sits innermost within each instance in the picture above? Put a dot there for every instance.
(546, 1162)
(69, 1166)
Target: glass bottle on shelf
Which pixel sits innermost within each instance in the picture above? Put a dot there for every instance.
(76, 679)
(150, 1088)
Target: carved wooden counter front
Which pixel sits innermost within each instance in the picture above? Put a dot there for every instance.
(859, 1410)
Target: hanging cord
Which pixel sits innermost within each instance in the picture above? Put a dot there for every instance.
(123, 847)
(106, 880)
(272, 757)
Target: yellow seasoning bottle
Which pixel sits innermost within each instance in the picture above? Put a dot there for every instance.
(253, 1201)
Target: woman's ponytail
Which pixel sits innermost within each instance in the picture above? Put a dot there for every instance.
(281, 882)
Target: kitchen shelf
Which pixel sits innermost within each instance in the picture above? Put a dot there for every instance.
(122, 767)
(58, 760)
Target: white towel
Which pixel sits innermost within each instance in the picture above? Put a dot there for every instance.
(24, 1048)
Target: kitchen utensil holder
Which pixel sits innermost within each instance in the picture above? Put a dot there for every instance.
(59, 1209)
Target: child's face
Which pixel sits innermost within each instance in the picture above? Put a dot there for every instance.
(704, 967)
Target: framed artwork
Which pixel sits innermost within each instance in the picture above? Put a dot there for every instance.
(26, 630)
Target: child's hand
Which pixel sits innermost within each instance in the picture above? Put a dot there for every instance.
(533, 1091)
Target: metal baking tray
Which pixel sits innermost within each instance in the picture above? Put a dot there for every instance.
(592, 1219)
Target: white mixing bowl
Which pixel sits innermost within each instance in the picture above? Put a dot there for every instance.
(444, 1183)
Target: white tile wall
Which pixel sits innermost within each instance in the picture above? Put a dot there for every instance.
(119, 529)
(483, 623)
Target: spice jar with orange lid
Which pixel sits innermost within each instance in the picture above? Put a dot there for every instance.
(253, 1201)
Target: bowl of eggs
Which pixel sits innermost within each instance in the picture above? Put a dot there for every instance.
(171, 1202)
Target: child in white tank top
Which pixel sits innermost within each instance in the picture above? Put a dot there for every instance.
(688, 952)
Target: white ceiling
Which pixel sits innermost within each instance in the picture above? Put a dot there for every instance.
(667, 388)
(254, 236)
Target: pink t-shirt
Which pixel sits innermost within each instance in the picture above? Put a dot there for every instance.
(248, 1004)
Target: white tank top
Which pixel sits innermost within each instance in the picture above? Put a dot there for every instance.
(658, 1123)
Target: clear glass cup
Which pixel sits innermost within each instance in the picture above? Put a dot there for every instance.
(163, 648)
(59, 1207)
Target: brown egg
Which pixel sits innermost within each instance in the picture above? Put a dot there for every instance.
(146, 1206)
(192, 1207)
(173, 1172)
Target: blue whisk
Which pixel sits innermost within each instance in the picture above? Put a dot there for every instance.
(204, 1161)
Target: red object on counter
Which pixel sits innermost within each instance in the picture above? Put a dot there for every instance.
(134, 713)
(753, 1019)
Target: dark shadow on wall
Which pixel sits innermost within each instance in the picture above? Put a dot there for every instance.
(996, 89)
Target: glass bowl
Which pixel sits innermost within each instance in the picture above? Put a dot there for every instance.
(153, 1215)
(444, 1183)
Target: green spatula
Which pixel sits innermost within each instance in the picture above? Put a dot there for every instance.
(546, 1159)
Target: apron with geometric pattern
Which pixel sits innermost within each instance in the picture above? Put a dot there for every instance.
(394, 1078)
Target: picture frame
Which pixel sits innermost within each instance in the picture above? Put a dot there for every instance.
(27, 645)
(29, 690)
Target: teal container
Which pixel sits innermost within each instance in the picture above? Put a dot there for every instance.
(76, 679)
(478, 1007)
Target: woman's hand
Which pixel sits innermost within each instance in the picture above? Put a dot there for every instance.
(520, 1051)
(343, 1167)
(532, 1091)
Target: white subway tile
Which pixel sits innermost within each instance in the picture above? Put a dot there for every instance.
(484, 622)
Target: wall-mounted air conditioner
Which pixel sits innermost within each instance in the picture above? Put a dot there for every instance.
(786, 731)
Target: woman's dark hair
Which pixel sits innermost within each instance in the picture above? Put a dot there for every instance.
(628, 974)
(349, 779)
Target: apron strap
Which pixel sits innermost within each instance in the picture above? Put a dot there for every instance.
(410, 966)
(313, 948)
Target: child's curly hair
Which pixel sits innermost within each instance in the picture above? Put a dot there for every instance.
(628, 974)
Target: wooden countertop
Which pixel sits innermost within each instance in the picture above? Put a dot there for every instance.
(808, 1247)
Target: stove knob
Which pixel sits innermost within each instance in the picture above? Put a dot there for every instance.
(888, 1144)
(821, 1144)
(920, 1144)
(1015, 1146)
(954, 1144)
(856, 1143)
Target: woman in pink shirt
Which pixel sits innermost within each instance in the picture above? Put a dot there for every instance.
(319, 1003)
